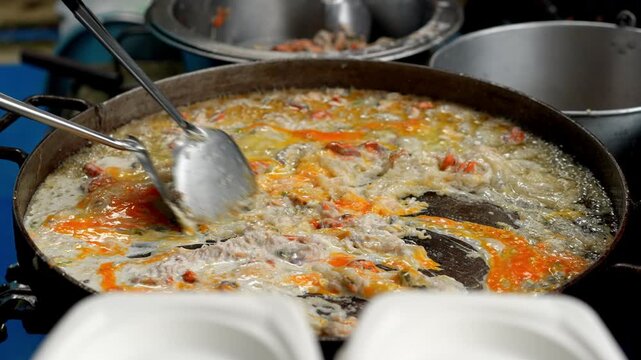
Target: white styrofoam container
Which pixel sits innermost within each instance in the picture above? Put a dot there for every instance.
(182, 326)
(422, 325)
(408, 326)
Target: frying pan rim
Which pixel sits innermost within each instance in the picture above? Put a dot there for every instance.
(622, 218)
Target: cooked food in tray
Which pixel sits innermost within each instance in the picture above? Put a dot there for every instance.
(354, 188)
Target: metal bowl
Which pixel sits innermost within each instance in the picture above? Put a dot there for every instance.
(252, 27)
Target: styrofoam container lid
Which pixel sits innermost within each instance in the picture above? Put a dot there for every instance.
(421, 325)
(182, 326)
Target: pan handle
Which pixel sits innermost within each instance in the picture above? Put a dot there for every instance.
(18, 156)
(626, 18)
(626, 252)
(628, 268)
(17, 301)
(51, 101)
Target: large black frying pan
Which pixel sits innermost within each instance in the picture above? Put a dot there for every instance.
(57, 291)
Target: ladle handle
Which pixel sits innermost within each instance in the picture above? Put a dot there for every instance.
(89, 20)
(29, 111)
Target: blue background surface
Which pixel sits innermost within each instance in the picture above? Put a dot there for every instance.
(18, 81)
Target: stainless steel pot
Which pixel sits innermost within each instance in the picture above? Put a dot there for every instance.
(591, 71)
(251, 27)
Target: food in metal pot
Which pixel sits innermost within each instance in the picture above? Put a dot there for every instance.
(352, 185)
(323, 41)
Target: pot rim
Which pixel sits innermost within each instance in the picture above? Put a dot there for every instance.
(446, 21)
(536, 24)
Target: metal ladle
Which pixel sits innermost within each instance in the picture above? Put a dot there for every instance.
(210, 174)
